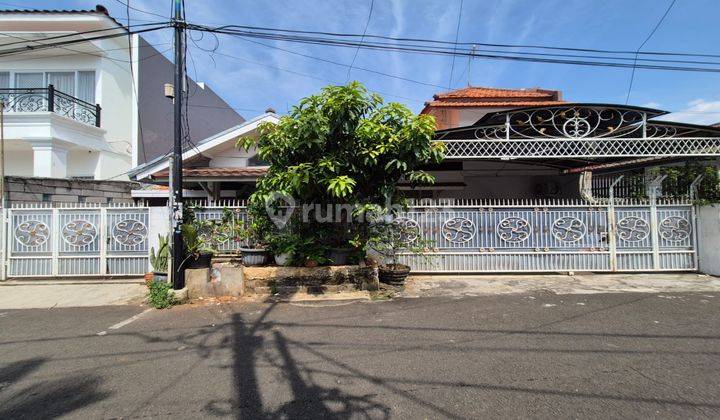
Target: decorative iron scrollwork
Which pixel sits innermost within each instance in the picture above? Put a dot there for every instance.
(569, 229)
(79, 233)
(458, 230)
(675, 228)
(633, 229)
(129, 232)
(32, 233)
(410, 229)
(513, 229)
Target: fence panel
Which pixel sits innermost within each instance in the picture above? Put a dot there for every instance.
(77, 241)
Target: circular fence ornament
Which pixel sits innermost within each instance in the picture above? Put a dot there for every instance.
(675, 228)
(79, 233)
(513, 229)
(409, 229)
(569, 229)
(633, 229)
(32, 233)
(458, 230)
(129, 232)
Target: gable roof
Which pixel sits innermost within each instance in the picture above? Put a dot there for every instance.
(230, 135)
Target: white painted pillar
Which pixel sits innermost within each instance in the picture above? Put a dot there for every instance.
(49, 160)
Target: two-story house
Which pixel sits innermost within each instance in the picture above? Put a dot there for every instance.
(95, 109)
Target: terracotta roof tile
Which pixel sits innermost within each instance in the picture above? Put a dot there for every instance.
(491, 104)
(245, 172)
(482, 92)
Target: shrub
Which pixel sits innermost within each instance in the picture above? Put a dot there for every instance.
(160, 296)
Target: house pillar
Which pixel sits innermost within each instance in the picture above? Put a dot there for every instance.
(49, 159)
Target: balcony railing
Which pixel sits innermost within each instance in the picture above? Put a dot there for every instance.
(49, 99)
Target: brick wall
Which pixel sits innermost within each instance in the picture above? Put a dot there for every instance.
(54, 190)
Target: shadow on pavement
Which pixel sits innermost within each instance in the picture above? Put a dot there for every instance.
(48, 399)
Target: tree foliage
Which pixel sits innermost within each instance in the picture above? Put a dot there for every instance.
(343, 146)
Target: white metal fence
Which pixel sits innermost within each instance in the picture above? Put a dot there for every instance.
(553, 235)
(473, 236)
(76, 241)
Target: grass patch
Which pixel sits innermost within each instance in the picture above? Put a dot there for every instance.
(160, 296)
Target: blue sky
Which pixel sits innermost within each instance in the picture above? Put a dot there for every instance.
(259, 77)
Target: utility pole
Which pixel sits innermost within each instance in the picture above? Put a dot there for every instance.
(178, 249)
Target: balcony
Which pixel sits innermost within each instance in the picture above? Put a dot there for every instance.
(20, 100)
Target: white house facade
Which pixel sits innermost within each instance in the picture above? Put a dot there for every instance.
(91, 110)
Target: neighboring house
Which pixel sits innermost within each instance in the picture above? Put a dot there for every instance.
(215, 169)
(464, 106)
(96, 109)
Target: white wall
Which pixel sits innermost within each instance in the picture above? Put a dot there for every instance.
(19, 162)
(82, 163)
(113, 92)
(709, 239)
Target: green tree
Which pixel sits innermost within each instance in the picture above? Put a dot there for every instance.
(342, 146)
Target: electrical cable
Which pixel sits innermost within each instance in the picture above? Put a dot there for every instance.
(357, 50)
(457, 33)
(657, 25)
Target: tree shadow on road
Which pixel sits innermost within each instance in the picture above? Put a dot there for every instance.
(48, 399)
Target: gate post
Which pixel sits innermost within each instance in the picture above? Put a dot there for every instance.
(654, 188)
(103, 240)
(4, 244)
(612, 239)
(55, 244)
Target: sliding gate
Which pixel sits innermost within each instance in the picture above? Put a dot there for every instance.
(554, 235)
(75, 242)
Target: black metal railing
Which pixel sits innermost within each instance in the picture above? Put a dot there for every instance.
(50, 99)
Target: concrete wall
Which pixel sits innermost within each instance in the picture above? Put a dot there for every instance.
(208, 113)
(709, 239)
(51, 190)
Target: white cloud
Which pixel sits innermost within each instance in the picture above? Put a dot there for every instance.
(699, 111)
(651, 104)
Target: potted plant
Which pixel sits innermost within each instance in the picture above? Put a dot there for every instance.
(283, 245)
(159, 260)
(390, 239)
(197, 245)
(255, 252)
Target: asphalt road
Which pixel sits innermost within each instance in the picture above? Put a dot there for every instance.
(541, 355)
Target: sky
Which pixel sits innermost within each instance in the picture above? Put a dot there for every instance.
(252, 77)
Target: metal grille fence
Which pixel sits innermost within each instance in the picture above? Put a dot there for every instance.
(527, 236)
(76, 241)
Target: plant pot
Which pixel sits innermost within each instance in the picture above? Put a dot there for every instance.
(253, 256)
(339, 256)
(159, 276)
(199, 261)
(394, 274)
(283, 259)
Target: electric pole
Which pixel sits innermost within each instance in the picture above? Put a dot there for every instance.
(178, 248)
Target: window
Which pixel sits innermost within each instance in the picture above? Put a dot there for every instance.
(80, 84)
(29, 80)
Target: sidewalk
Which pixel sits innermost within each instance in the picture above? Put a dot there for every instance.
(495, 284)
(67, 294)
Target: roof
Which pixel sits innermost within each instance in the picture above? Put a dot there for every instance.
(484, 92)
(488, 104)
(246, 172)
(230, 135)
(98, 10)
(485, 97)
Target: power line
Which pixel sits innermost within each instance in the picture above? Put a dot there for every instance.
(140, 10)
(30, 48)
(457, 33)
(469, 44)
(420, 49)
(657, 25)
(367, 23)
(92, 31)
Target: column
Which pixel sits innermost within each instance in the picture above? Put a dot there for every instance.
(49, 159)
